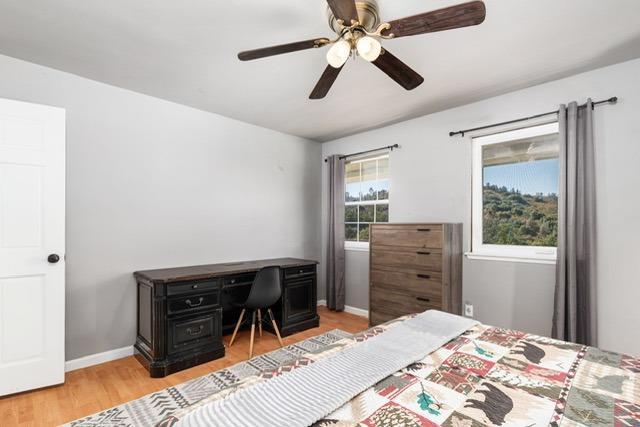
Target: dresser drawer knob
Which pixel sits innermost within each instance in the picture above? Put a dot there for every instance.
(423, 276)
(196, 332)
(198, 304)
(232, 281)
(423, 253)
(194, 287)
(423, 299)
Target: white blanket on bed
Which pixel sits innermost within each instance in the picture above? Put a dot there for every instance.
(308, 394)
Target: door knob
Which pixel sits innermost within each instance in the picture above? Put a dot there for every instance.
(53, 258)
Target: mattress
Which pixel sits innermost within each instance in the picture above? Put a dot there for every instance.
(486, 376)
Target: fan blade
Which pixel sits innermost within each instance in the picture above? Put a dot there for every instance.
(280, 49)
(449, 18)
(398, 71)
(345, 10)
(327, 79)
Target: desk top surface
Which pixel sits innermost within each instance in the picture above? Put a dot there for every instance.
(199, 272)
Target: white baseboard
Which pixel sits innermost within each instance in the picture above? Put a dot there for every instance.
(357, 311)
(349, 309)
(95, 359)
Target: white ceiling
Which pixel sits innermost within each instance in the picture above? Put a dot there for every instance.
(185, 51)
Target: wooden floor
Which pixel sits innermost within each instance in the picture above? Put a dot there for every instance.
(99, 387)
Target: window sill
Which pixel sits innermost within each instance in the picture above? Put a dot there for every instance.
(541, 259)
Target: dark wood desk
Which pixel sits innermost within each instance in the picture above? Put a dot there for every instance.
(183, 312)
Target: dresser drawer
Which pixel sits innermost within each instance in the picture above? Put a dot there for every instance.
(377, 317)
(400, 304)
(408, 281)
(402, 257)
(414, 236)
(179, 288)
(188, 303)
(194, 331)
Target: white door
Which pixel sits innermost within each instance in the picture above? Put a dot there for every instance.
(32, 155)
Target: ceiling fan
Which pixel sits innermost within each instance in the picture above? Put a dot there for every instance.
(359, 30)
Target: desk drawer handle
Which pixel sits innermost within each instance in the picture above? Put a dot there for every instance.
(423, 253)
(195, 333)
(424, 229)
(198, 304)
(423, 299)
(423, 276)
(194, 287)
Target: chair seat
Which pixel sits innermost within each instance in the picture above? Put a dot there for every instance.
(238, 304)
(248, 305)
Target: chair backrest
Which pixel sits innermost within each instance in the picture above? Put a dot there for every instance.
(266, 288)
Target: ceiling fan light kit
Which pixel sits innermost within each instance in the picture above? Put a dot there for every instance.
(338, 54)
(368, 48)
(359, 30)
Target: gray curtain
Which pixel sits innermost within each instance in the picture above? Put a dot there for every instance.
(574, 317)
(335, 245)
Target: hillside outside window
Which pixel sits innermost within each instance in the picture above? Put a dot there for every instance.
(515, 194)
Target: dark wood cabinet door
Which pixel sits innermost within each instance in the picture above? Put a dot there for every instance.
(299, 300)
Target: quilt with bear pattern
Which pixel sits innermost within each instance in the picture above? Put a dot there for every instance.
(489, 377)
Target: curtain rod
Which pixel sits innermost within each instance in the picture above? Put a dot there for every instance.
(611, 100)
(388, 147)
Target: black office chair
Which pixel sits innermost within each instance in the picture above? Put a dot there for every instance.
(265, 291)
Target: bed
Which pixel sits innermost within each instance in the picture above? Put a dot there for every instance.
(484, 376)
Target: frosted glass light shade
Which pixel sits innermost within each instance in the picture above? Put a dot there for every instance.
(369, 48)
(339, 53)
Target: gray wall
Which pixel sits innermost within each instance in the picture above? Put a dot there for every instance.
(431, 181)
(154, 184)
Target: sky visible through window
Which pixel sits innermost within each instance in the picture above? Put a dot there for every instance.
(540, 176)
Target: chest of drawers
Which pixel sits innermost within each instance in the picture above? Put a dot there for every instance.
(413, 268)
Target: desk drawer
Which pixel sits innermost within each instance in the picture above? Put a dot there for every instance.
(194, 331)
(180, 288)
(181, 304)
(299, 272)
(239, 280)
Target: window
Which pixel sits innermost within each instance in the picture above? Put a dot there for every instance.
(366, 198)
(515, 194)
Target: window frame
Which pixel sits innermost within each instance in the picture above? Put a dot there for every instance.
(480, 250)
(357, 245)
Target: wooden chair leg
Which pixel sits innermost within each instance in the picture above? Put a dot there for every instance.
(235, 331)
(253, 331)
(275, 327)
(260, 323)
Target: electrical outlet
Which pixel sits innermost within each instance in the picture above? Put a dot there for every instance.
(468, 310)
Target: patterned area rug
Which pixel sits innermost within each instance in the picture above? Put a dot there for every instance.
(152, 408)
